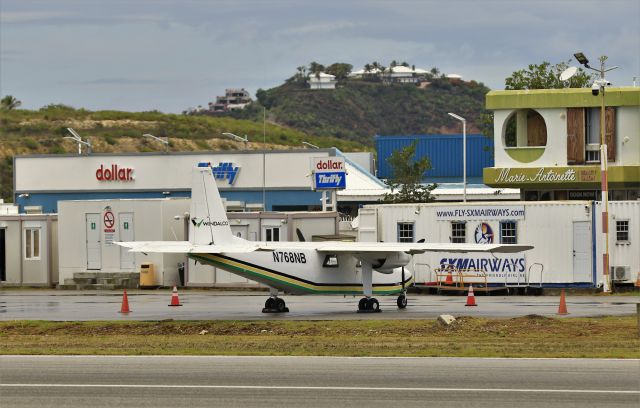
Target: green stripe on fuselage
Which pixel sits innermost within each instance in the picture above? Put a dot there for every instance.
(291, 282)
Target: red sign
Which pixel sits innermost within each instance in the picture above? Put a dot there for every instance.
(330, 164)
(109, 219)
(114, 173)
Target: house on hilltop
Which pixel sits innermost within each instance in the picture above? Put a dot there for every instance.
(322, 80)
(234, 99)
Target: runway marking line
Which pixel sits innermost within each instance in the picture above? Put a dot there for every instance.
(310, 388)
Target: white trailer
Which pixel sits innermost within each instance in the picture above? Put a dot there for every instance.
(565, 236)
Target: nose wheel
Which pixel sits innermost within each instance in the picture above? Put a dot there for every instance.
(402, 301)
(369, 305)
(275, 305)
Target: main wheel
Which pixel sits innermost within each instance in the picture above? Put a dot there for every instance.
(270, 304)
(374, 305)
(402, 301)
(362, 304)
(280, 305)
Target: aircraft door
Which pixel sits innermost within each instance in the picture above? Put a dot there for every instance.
(94, 248)
(127, 259)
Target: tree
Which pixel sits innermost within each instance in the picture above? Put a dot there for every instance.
(315, 68)
(9, 103)
(340, 70)
(406, 180)
(546, 76)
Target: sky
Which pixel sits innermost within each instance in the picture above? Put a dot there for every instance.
(139, 55)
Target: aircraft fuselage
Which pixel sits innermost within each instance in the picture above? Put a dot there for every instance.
(305, 271)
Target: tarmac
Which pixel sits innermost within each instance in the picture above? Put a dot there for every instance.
(60, 305)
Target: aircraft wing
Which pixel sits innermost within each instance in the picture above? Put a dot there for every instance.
(417, 248)
(185, 247)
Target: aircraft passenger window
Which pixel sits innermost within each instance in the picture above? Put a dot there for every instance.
(330, 261)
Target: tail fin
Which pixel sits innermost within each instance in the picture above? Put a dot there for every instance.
(209, 223)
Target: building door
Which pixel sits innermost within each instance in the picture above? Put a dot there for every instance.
(3, 255)
(127, 259)
(582, 251)
(240, 231)
(94, 249)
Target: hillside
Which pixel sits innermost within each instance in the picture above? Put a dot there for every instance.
(43, 131)
(357, 110)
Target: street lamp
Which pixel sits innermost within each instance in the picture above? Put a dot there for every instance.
(237, 138)
(598, 87)
(464, 154)
(310, 145)
(75, 136)
(164, 141)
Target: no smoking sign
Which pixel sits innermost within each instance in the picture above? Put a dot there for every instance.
(109, 219)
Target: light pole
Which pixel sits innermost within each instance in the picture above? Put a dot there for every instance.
(464, 154)
(79, 140)
(598, 87)
(164, 141)
(244, 139)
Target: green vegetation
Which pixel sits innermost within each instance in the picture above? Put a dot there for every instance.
(529, 336)
(29, 132)
(546, 76)
(359, 109)
(407, 174)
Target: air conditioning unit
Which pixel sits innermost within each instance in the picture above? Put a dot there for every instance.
(620, 273)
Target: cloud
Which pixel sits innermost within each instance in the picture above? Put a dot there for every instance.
(19, 17)
(122, 81)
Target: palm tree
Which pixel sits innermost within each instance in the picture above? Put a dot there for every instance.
(9, 102)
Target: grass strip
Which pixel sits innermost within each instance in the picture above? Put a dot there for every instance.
(528, 336)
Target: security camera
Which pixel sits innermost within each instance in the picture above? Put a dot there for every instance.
(595, 89)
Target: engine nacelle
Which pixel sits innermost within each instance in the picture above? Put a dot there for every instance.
(388, 263)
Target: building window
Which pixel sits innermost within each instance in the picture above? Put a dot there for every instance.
(32, 243)
(525, 128)
(622, 231)
(583, 135)
(272, 234)
(405, 232)
(458, 232)
(508, 232)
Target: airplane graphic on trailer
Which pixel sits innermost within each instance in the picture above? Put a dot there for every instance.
(299, 267)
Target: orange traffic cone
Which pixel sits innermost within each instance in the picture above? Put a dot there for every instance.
(174, 297)
(638, 281)
(562, 309)
(449, 279)
(125, 303)
(471, 299)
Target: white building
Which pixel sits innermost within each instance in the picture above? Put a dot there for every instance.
(322, 81)
(567, 251)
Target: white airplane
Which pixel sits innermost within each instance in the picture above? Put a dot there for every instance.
(298, 267)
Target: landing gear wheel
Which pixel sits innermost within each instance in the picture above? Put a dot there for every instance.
(281, 306)
(275, 305)
(368, 305)
(270, 303)
(402, 301)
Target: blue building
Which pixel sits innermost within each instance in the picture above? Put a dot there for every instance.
(445, 154)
